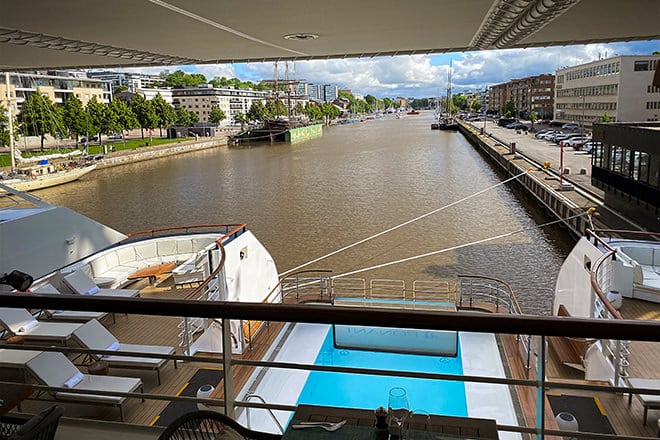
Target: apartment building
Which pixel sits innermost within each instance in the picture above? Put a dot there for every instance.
(530, 94)
(58, 86)
(203, 98)
(621, 87)
(134, 81)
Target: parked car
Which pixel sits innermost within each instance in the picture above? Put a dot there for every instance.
(576, 142)
(569, 126)
(116, 136)
(589, 146)
(543, 134)
(562, 136)
(555, 124)
(517, 126)
(503, 122)
(90, 139)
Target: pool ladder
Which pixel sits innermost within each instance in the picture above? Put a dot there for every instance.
(270, 411)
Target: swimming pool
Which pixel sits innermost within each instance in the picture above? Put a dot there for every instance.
(370, 392)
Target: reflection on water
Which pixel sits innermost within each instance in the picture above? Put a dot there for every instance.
(307, 199)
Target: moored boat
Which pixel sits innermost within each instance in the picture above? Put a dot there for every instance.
(45, 176)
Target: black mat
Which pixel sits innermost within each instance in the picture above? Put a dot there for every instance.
(176, 409)
(587, 411)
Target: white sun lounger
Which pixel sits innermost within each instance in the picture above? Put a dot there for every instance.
(649, 401)
(66, 315)
(80, 283)
(21, 322)
(17, 359)
(55, 370)
(94, 336)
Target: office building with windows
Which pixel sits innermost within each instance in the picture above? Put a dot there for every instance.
(619, 89)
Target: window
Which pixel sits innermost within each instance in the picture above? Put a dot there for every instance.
(641, 66)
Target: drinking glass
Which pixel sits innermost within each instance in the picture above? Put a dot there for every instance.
(398, 407)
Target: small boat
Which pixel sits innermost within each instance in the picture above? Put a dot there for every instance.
(44, 176)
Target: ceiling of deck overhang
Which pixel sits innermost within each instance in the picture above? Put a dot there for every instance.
(101, 33)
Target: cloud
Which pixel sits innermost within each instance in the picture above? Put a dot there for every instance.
(426, 75)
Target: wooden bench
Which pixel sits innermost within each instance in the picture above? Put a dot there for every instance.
(570, 351)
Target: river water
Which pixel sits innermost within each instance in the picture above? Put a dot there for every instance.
(305, 200)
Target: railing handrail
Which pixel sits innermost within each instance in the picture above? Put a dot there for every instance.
(322, 314)
(237, 227)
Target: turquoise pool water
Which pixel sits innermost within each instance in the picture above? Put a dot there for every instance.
(370, 392)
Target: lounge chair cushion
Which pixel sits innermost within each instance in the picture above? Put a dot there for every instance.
(143, 362)
(54, 369)
(94, 336)
(80, 283)
(73, 380)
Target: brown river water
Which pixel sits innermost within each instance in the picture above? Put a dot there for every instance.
(305, 200)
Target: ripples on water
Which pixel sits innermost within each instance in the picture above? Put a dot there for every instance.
(305, 200)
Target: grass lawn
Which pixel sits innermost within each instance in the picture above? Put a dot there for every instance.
(94, 148)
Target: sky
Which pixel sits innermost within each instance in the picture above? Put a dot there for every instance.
(425, 76)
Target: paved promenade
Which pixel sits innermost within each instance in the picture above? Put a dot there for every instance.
(542, 151)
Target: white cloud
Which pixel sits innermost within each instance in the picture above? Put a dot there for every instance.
(426, 75)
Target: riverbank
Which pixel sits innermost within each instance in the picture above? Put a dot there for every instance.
(121, 157)
(574, 194)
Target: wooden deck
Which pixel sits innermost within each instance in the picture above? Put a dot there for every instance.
(627, 420)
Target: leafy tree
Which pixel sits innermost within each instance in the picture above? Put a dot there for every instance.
(122, 116)
(100, 118)
(475, 106)
(240, 118)
(183, 117)
(40, 116)
(119, 89)
(4, 126)
(533, 117)
(460, 101)
(388, 103)
(165, 113)
(217, 115)
(605, 118)
(371, 100)
(329, 111)
(145, 114)
(75, 117)
(194, 118)
(509, 109)
(275, 108)
(257, 111)
(313, 112)
(298, 109)
(182, 79)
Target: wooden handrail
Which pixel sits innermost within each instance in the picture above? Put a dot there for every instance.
(619, 329)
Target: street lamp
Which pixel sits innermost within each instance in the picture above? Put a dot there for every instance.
(582, 120)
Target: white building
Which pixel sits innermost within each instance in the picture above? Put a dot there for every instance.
(202, 99)
(133, 81)
(620, 87)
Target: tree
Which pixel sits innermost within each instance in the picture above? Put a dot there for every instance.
(194, 118)
(240, 118)
(123, 117)
(605, 118)
(165, 113)
(100, 118)
(39, 116)
(145, 114)
(183, 117)
(257, 111)
(75, 117)
(4, 126)
(182, 79)
(533, 117)
(460, 101)
(509, 109)
(217, 115)
(475, 106)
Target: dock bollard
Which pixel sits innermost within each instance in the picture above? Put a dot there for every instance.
(512, 148)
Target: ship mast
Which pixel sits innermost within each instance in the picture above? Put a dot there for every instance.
(10, 124)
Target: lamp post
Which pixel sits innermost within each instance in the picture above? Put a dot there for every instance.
(582, 120)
